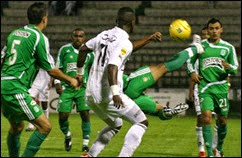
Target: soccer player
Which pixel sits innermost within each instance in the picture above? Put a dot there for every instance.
(104, 88)
(215, 64)
(66, 61)
(27, 48)
(40, 91)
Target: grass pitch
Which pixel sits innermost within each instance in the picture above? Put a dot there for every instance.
(172, 138)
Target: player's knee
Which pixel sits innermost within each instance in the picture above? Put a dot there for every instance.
(47, 128)
(85, 115)
(63, 116)
(206, 120)
(145, 122)
(18, 128)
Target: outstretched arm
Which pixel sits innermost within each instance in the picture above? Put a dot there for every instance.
(157, 36)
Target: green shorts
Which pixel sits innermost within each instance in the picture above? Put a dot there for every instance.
(19, 107)
(219, 103)
(146, 104)
(70, 95)
(139, 81)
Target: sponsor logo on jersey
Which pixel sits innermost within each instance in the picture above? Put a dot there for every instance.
(36, 109)
(123, 51)
(71, 67)
(212, 62)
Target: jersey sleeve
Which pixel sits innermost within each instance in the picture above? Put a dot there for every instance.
(91, 43)
(233, 61)
(59, 60)
(3, 52)
(191, 65)
(44, 59)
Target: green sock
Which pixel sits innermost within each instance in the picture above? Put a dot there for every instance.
(34, 143)
(86, 129)
(222, 132)
(208, 138)
(13, 144)
(178, 60)
(64, 126)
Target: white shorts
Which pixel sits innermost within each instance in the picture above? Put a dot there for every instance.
(109, 113)
(40, 89)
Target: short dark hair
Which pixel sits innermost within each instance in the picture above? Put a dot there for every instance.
(213, 20)
(125, 16)
(36, 12)
(78, 29)
(205, 28)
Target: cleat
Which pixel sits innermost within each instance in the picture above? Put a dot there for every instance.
(196, 42)
(176, 110)
(85, 149)
(30, 128)
(85, 155)
(218, 153)
(68, 142)
(202, 154)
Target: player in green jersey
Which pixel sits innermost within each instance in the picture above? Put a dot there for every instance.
(215, 64)
(27, 49)
(66, 61)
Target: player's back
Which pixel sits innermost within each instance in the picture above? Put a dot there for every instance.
(20, 60)
(107, 47)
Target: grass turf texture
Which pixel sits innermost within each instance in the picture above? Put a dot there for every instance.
(172, 138)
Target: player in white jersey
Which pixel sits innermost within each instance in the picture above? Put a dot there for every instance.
(40, 91)
(104, 88)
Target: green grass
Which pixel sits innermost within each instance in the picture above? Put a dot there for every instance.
(173, 138)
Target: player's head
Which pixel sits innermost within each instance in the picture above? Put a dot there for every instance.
(204, 33)
(78, 37)
(215, 28)
(37, 14)
(126, 18)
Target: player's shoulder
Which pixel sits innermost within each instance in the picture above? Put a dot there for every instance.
(225, 43)
(65, 47)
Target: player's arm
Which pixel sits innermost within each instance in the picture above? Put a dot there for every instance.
(3, 54)
(112, 79)
(81, 61)
(191, 90)
(157, 36)
(231, 66)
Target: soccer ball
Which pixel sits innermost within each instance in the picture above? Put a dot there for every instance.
(180, 30)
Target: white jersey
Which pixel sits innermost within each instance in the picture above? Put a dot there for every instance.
(39, 88)
(110, 47)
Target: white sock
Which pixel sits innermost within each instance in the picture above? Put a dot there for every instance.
(46, 112)
(30, 125)
(132, 140)
(215, 137)
(103, 138)
(85, 142)
(200, 140)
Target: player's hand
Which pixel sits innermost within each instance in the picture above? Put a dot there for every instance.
(80, 80)
(157, 36)
(74, 83)
(118, 103)
(58, 88)
(196, 77)
(225, 65)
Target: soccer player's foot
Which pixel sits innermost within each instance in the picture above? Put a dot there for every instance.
(85, 149)
(30, 127)
(196, 42)
(176, 110)
(68, 142)
(202, 154)
(218, 153)
(196, 39)
(85, 155)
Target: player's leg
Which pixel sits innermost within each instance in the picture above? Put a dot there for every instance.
(64, 108)
(139, 125)
(207, 106)
(83, 108)
(44, 105)
(221, 109)
(138, 81)
(107, 133)
(27, 109)
(13, 138)
(199, 131)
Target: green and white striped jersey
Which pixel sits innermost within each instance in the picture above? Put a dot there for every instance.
(27, 50)
(67, 60)
(211, 68)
